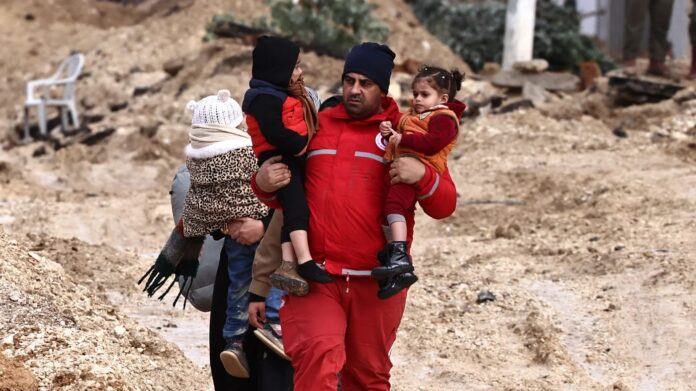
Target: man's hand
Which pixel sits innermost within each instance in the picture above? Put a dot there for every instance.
(407, 170)
(246, 230)
(385, 128)
(272, 175)
(257, 314)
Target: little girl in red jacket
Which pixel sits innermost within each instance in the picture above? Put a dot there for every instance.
(427, 131)
(281, 118)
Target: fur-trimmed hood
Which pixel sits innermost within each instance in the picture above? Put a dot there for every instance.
(216, 149)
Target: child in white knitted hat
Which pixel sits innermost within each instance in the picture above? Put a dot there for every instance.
(221, 162)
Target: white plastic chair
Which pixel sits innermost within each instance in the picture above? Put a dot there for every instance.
(66, 75)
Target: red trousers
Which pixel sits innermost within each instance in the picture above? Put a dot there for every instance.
(341, 327)
(401, 198)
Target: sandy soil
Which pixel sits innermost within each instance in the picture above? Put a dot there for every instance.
(585, 239)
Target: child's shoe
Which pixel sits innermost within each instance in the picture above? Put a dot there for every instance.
(398, 261)
(286, 278)
(391, 286)
(272, 336)
(234, 360)
(310, 270)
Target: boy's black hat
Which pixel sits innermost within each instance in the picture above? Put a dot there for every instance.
(274, 60)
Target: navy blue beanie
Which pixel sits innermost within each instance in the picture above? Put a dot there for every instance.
(373, 61)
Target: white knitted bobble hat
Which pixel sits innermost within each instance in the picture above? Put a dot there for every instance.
(218, 109)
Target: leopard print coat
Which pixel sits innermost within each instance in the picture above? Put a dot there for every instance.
(220, 191)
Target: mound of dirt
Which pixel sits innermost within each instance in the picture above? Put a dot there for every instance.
(72, 338)
(14, 376)
(578, 216)
(144, 61)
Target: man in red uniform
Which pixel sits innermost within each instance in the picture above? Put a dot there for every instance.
(342, 326)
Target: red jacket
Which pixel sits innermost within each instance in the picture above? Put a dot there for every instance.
(293, 119)
(346, 188)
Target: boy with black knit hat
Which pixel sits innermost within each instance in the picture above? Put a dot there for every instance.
(281, 119)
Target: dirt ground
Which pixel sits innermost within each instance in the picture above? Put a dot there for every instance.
(584, 238)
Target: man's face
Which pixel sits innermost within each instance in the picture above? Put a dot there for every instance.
(361, 96)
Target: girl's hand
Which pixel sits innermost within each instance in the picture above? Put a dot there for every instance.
(396, 137)
(385, 128)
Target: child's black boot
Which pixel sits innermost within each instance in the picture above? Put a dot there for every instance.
(391, 286)
(397, 262)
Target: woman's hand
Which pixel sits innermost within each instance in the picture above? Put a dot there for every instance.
(246, 230)
(257, 314)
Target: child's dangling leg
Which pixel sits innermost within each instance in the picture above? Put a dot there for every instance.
(390, 286)
(307, 268)
(296, 223)
(398, 260)
(396, 272)
(286, 276)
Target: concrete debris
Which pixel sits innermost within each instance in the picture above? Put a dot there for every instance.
(552, 81)
(633, 90)
(538, 95)
(485, 296)
(538, 65)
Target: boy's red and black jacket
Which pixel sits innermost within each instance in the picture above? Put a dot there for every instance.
(274, 118)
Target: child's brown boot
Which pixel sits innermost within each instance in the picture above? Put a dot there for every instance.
(287, 279)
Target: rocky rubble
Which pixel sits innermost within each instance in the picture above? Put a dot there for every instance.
(71, 339)
(576, 214)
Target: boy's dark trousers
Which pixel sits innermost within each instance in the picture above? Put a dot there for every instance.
(292, 196)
